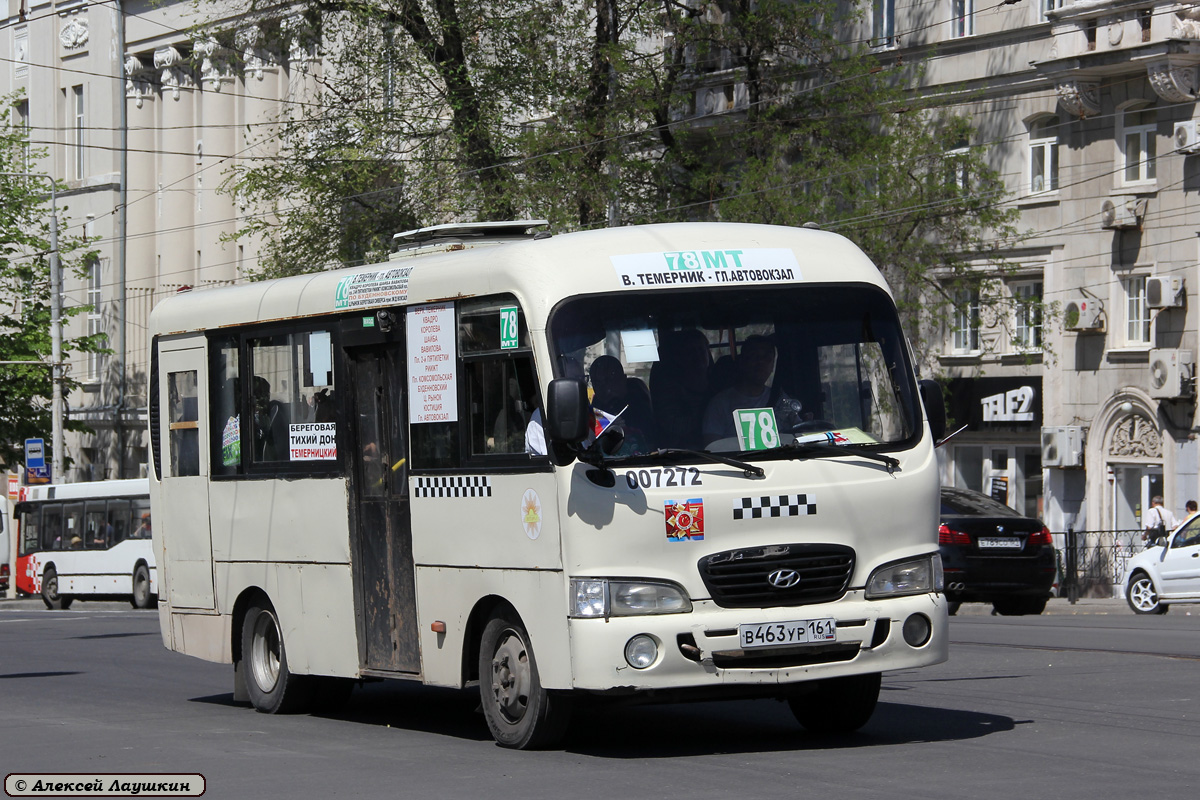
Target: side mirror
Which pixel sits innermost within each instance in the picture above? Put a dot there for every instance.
(935, 408)
(568, 417)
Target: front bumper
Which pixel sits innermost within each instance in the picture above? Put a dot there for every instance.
(699, 652)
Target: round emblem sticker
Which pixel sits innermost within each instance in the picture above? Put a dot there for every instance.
(531, 513)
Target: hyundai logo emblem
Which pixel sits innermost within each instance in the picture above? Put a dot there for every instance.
(783, 578)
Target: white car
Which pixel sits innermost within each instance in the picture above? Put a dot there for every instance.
(1165, 574)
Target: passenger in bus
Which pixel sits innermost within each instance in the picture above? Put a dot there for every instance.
(614, 397)
(270, 424)
(143, 531)
(76, 542)
(679, 388)
(752, 370)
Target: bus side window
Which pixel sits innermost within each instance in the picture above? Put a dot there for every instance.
(52, 538)
(98, 533)
(501, 383)
(140, 524)
(73, 531)
(184, 424)
(118, 519)
(30, 530)
(226, 405)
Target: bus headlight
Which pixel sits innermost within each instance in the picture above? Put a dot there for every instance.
(604, 597)
(916, 576)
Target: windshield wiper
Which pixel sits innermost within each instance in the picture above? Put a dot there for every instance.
(822, 450)
(750, 469)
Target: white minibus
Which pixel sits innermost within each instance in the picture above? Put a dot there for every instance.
(654, 462)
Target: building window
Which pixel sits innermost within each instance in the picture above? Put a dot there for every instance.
(1137, 315)
(962, 21)
(22, 120)
(957, 173)
(883, 26)
(1138, 126)
(80, 164)
(1027, 327)
(966, 321)
(1050, 5)
(1043, 155)
(93, 316)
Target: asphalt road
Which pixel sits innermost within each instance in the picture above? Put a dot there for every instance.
(1084, 704)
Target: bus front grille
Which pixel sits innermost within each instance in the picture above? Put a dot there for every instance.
(778, 575)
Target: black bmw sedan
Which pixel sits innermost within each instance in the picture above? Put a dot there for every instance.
(992, 554)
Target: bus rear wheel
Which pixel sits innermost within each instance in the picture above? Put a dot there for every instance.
(519, 712)
(141, 588)
(837, 705)
(272, 687)
(50, 595)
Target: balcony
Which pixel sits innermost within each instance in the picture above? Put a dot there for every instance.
(1096, 40)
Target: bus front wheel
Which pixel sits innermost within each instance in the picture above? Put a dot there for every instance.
(520, 713)
(272, 687)
(50, 595)
(837, 705)
(141, 588)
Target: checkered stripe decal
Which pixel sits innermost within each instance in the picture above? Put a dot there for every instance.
(775, 505)
(454, 486)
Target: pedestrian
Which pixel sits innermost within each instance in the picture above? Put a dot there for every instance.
(1191, 508)
(1158, 522)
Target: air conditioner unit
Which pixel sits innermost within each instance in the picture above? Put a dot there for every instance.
(1164, 292)
(1186, 139)
(1122, 213)
(1171, 374)
(1062, 446)
(1083, 314)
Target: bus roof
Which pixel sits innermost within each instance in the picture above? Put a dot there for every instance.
(538, 271)
(132, 487)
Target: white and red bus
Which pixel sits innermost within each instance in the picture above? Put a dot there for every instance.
(86, 540)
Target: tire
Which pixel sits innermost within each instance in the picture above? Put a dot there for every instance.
(50, 596)
(1142, 596)
(1009, 606)
(271, 686)
(1033, 605)
(952, 607)
(141, 597)
(837, 705)
(519, 712)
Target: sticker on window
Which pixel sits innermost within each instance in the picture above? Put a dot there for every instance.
(231, 442)
(312, 441)
(756, 427)
(432, 364)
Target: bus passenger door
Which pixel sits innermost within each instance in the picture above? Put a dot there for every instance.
(183, 395)
(383, 555)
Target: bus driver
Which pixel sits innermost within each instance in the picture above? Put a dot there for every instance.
(753, 368)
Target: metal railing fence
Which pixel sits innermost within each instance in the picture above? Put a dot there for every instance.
(1094, 563)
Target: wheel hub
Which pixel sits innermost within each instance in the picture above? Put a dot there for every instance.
(510, 677)
(264, 654)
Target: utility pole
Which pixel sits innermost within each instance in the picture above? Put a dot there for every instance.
(56, 363)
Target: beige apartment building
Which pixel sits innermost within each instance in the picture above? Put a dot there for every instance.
(1081, 414)
(193, 108)
(1078, 415)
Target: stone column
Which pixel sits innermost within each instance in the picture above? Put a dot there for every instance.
(175, 204)
(215, 141)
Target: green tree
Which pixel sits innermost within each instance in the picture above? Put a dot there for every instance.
(610, 112)
(25, 391)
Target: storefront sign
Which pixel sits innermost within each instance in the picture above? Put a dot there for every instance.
(996, 403)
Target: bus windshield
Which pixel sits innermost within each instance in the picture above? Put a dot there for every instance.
(741, 370)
